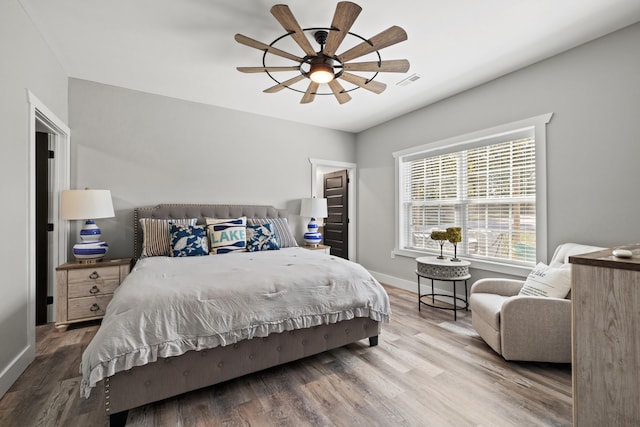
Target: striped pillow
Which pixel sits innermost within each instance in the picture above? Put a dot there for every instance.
(227, 235)
(155, 235)
(283, 232)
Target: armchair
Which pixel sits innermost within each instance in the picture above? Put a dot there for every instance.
(525, 328)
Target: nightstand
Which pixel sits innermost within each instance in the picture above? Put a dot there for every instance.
(84, 290)
(324, 248)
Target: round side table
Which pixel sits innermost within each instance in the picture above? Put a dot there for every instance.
(443, 270)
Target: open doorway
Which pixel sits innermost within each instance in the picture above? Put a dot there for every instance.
(320, 169)
(48, 175)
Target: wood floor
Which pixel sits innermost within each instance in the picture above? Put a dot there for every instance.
(427, 371)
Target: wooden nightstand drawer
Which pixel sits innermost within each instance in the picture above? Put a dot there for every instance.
(84, 290)
(78, 290)
(95, 276)
(93, 282)
(84, 308)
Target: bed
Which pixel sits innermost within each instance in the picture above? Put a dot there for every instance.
(144, 365)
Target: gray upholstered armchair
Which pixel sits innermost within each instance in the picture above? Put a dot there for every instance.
(524, 327)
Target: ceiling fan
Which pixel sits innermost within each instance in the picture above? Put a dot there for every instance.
(325, 66)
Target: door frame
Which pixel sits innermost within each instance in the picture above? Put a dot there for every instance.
(318, 168)
(40, 115)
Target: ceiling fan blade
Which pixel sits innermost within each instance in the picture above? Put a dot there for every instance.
(247, 41)
(280, 86)
(373, 86)
(391, 66)
(344, 17)
(283, 15)
(269, 69)
(388, 37)
(339, 92)
(310, 94)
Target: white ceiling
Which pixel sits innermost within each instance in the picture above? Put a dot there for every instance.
(186, 49)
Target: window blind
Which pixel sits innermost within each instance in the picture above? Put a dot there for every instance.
(489, 191)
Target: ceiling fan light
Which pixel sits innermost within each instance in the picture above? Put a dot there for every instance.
(321, 73)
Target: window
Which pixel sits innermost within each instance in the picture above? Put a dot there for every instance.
(489, 183)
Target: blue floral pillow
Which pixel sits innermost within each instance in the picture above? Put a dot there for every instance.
(188, 240)
(262, 238)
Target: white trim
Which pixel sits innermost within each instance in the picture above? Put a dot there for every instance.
(16, 367)
(483, 137)
(352, 171)
(38, 112)
(476, 136)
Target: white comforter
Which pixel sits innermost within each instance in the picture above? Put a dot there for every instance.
(168, 306)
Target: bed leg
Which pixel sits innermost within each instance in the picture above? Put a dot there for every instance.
(373, 341)
(119, 419)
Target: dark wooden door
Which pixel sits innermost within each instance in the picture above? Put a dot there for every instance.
(336, 228)
(42, 225)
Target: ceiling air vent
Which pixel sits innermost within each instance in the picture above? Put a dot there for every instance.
(412, 78)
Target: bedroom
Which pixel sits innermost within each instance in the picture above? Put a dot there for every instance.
(593, 91)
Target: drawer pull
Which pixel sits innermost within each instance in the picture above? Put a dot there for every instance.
(95, 307)
(94, 275)
(94, 290)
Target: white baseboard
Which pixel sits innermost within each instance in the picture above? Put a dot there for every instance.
(425, 286)
(13, 370)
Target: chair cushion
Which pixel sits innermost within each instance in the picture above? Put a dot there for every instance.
(487, 306)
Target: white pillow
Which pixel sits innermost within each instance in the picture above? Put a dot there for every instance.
(227, 235)
(545, 281)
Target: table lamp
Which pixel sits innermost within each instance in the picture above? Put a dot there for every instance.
(313, 208)
(87, 205)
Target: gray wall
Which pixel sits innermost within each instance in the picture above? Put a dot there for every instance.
(27, 63)
(150, 149)
(593, 147)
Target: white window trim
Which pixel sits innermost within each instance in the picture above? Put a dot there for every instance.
(483, 137)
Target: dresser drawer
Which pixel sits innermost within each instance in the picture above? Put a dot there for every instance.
(87, 307)
(97, 288)
(94, 276)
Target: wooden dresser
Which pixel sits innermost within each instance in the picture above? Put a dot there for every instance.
(84, 290)
(606, 339)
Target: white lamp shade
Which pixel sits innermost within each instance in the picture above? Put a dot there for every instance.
(313, 208)
(86, 204)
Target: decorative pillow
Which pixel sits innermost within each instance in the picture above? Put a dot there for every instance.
(155, 235)
(188, 240)
(261, 238)
(545, 281)
(283, 233)
(227, 235)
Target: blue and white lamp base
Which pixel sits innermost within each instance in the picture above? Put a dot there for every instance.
(90, 248)
(312, 237)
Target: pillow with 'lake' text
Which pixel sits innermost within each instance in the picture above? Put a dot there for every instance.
(227, 235)
(545, 281)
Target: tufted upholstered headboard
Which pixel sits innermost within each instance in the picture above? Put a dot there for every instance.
(169, 211)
